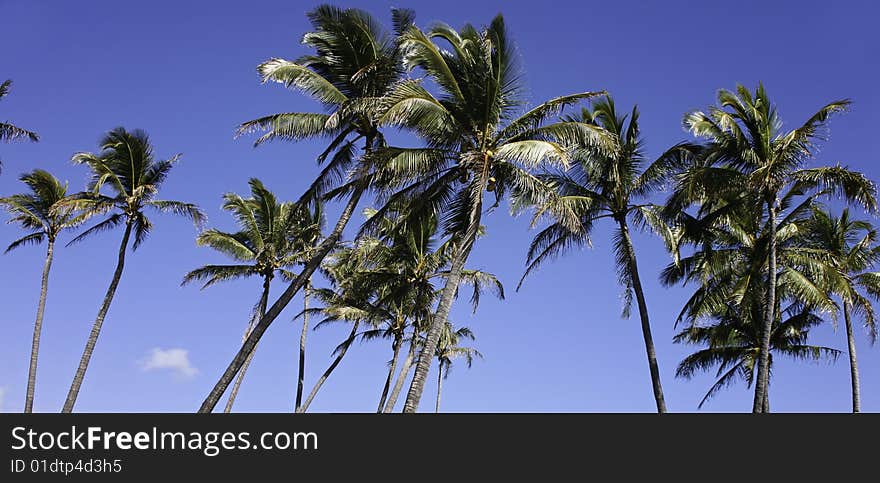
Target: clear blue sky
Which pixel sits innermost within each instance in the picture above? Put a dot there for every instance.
(186, 74)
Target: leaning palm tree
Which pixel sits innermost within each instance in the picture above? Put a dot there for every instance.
(310, 241)
(273, 237)
(11, 132)
(747, 150)
(127, 168)
(476, 143)
(354, 64)
(42, 213)
(410, 257)
(606, 185)
(386, 284)
(351, 298)
(449, 348)
(733, 344)
(850, 245)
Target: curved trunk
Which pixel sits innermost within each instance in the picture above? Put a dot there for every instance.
(394, 358)
(38, 328)
(766, 405)
(761, 382)
(330, 369)
(261, 310)
(401, 379)
(643, 315)
(302, 346)
(298, 283)
(853, 362)
(439, 386)
(447, 296)
(99, 321)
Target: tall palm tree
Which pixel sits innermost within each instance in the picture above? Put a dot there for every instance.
(127, 168)
(273, 237)
(747, 150)
(730, 258)
(350, 298)
(42, 213)
(310, 242)
(606, 185)
(449, 348)
(476, 143)
(733, 344)
(386, 284)
(11, 132)
(851, 247)
(410, 258)
(354, 63)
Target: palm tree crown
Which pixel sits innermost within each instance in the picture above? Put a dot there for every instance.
(42, 211)
(733, 343)
(126, 166)
(600, 184)
(355, 62)
(851, 247)
(274, 237)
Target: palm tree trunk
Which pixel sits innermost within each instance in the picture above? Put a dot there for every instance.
(99, 321)
(447, 296)
(261, 310)
(38, 328)
(330, 369)
(394, 358)
(766, 406)
(439, 386)
(302, 346)
(401, 379)
(853, 362)
(643, 315)
(761, 382)
(298, 283)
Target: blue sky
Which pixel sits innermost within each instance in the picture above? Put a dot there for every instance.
(185, 72)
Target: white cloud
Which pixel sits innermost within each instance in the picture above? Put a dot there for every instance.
(2, 396)
(176, 360)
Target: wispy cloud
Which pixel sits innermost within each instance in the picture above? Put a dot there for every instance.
(175, 360)
(2, 396)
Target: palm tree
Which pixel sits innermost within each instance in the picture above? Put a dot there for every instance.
(42, 213)
(355, 63)
(733, 344)
(748, 151)
(410, 258)
(350, 299)
(449, 349)
(730, 258)
(127, 167)
(11, 132)
(386, 284)
(475, 142)
(850, 245)
(310, 242)
(273, 237)
(606, 185)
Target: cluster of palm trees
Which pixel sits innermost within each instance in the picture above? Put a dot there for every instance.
(125, 179)
(741, 209)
